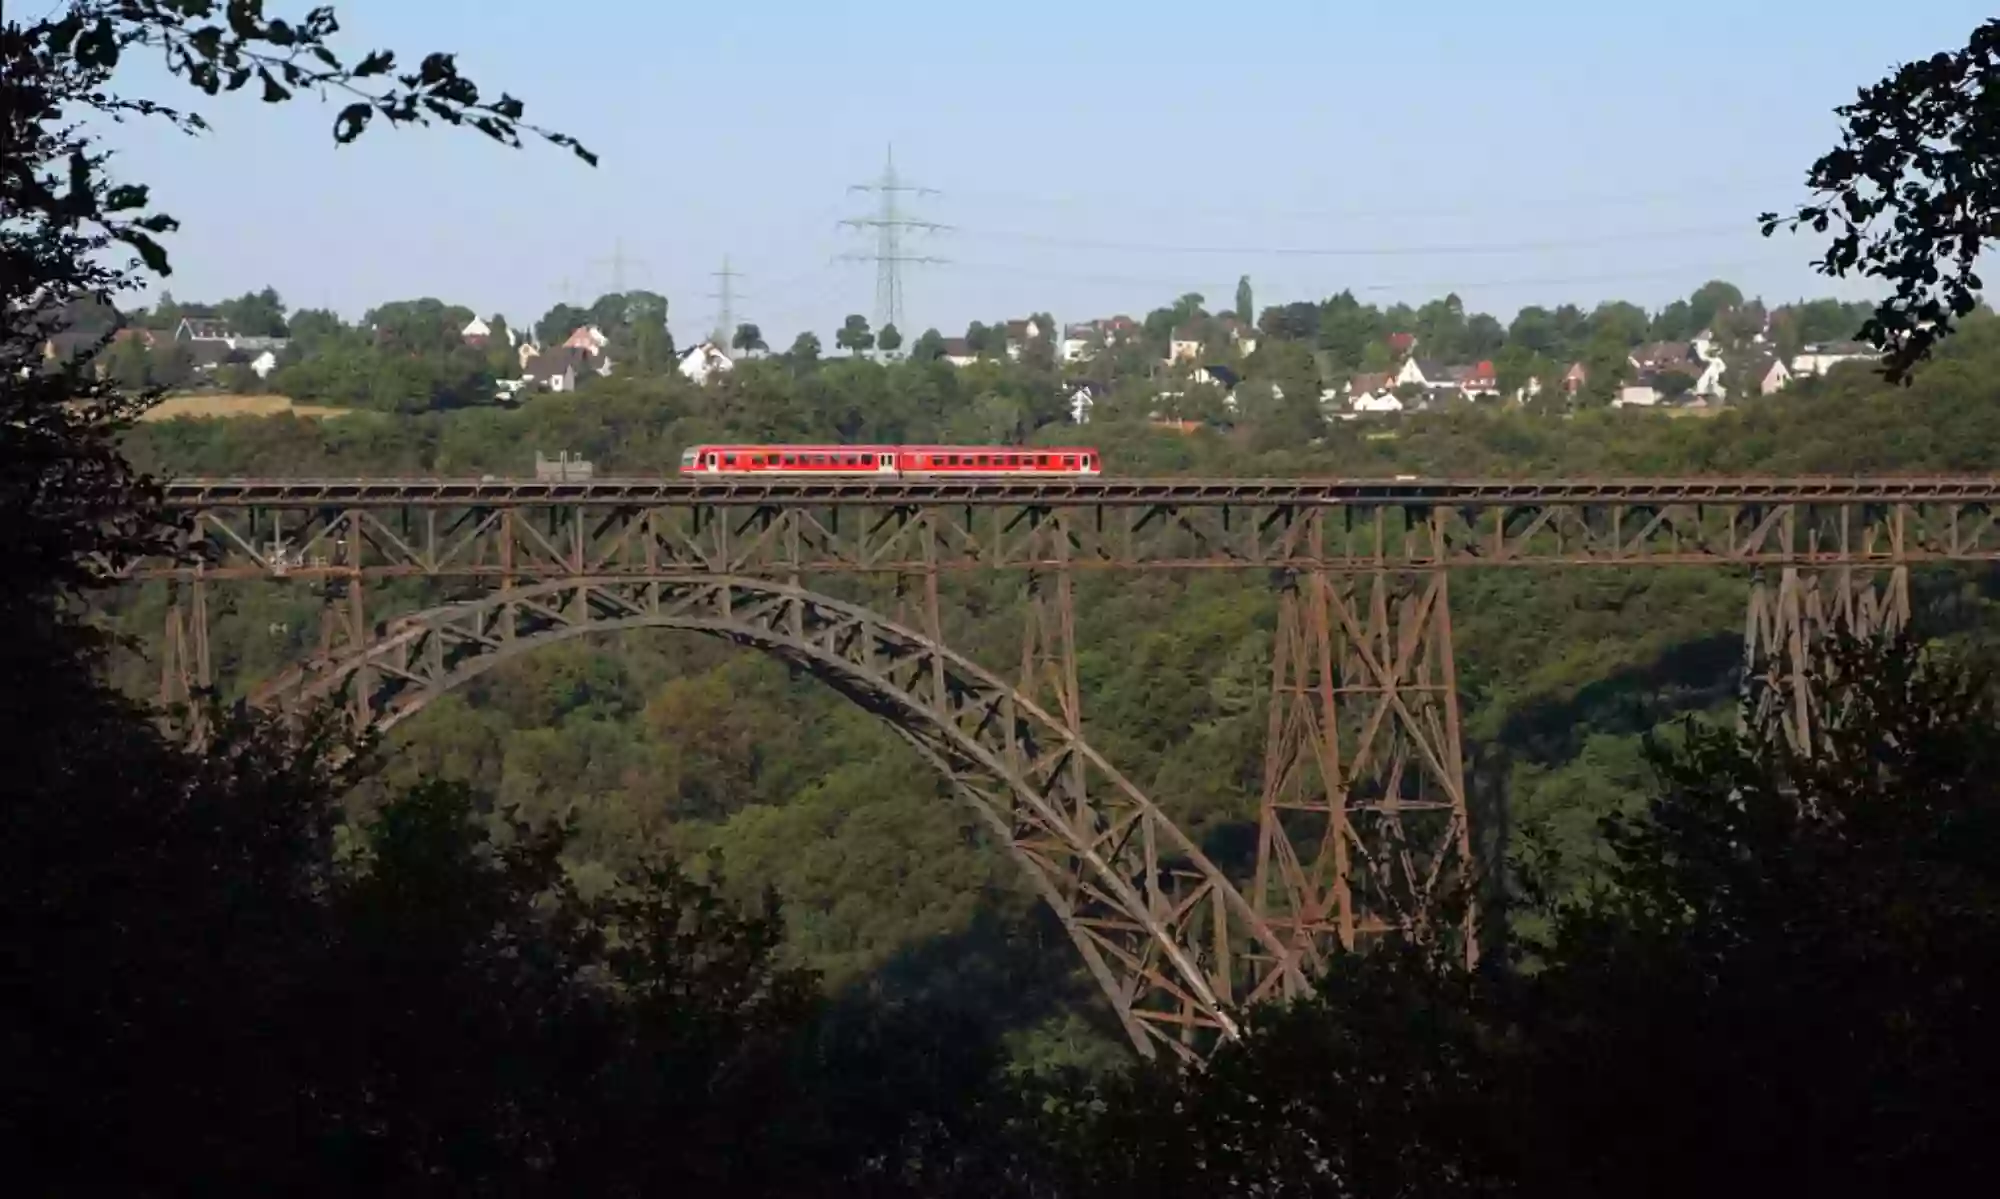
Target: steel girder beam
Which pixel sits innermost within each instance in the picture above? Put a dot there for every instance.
(1363, 825)
(546, 540)
(656, 490)
(1104, 857)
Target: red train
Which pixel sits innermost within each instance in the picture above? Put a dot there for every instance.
(898, 460)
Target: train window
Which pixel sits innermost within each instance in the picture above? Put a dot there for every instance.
(756, 459)
(819, 459)
(1044, 462)
(729, 460)
(790, 460)
(1086, 461)
(1069, 461)
(867, 459)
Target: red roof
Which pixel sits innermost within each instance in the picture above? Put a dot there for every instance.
(1402, 341)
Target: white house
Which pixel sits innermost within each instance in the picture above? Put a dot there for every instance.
(264, 363)
(476, 331)
(704, 361)
(958, 353)
(1819, 359)
(1639, 395)
(1376, 402)
(1184, 345)
(1708, 382)
(1076, 343)
(1081, 401)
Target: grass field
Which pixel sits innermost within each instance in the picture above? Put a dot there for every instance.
(208, 407)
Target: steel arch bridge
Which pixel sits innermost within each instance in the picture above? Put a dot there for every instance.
(1363, 825)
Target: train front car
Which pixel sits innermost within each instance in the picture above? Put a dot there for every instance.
(790, 460)
(958, 461)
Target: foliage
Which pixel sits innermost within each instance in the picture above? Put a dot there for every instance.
(1780, 981)
(1907, 196)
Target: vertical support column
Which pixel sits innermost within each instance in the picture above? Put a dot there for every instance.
(1048, 657)
(1790, 621)
(186, 673)
(1364, 828)
(1302, 838)
(344, 618)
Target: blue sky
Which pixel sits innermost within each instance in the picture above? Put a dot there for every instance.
(1092, 158)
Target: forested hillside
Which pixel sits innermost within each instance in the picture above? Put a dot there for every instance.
(663, 740)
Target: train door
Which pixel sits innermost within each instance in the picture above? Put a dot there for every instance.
(885, 463)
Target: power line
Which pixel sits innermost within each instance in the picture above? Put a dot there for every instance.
(1459, 250)
(725, 297)
(618, 261)
(889, 224)
(1478, 203)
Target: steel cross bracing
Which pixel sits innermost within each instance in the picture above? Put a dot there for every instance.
(1363, 828)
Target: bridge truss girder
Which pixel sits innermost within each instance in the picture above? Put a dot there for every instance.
(1363, 823)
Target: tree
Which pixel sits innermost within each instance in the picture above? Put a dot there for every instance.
(1908, 196)
(1245, 304)
(805, 348)
(929, 346)
(854, 336)
(255, 314)
(890, 339)
(749, 339)
(1711, 301)
(1673, 384)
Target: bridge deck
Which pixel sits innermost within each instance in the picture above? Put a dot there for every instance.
(1419, 492)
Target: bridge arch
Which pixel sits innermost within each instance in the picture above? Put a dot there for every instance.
(1166, 935)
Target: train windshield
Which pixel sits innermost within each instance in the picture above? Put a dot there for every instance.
(688, 458)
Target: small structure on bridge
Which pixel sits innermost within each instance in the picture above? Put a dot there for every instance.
(563, 468)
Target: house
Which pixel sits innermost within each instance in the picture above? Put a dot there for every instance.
(705, 361)
(1185, 343)
(1241, 335)
(557, 370)
(1662, 355)
(475, 332)
(1082, 400)
(1769, 375)
(526, 352)
(1819, 359)
(1575, 377)
(1216, 374)
(1374, 393)
(958, 353)
(1402, 345)
(202, 328)
(1479, 379)
(1637, 394)
(1020, 333)
(587, 338)
(1079, 341)
(1708, 383)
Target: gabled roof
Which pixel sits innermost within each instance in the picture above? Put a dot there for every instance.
(555, 363)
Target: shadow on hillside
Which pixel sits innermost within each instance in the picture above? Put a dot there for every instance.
(930, 1026)
(1691, 676)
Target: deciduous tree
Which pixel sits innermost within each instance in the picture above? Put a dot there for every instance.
(1907, 194)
